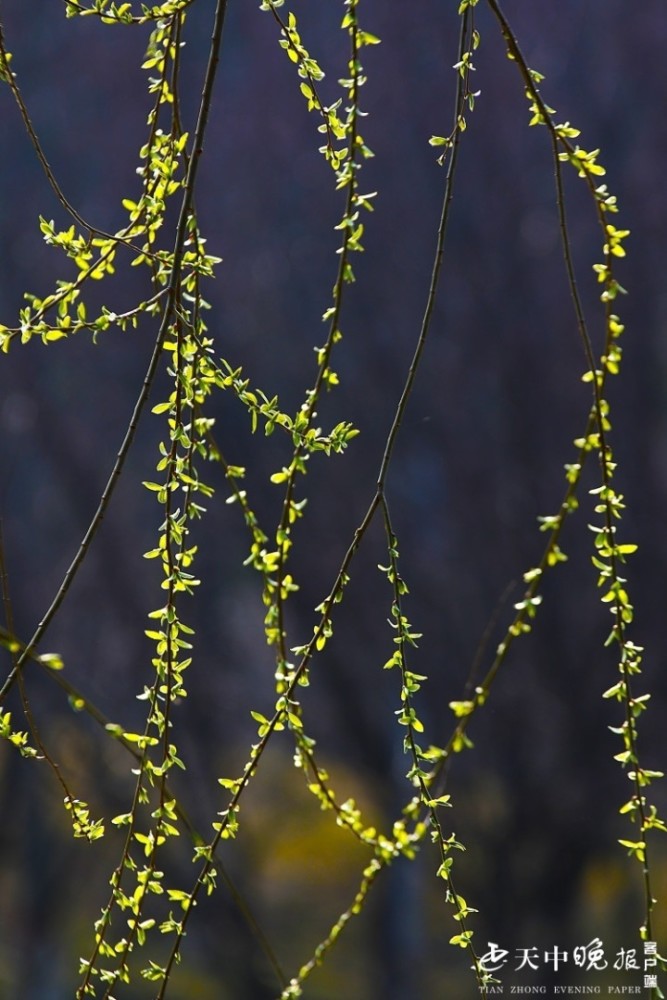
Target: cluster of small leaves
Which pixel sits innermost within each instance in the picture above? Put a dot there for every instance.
(336, 128)
(526, 608)
(424, 762)
(410, 829)
(18, 738)
(153, 817)
(94, 254)
(610, 554)
(270, 559)
(29, 742)
(278, 584)
(465, 68)
(306, 437)
(139, 899)
(194, 373)
(111, 12)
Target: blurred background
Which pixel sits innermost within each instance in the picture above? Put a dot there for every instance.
(495, 408)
